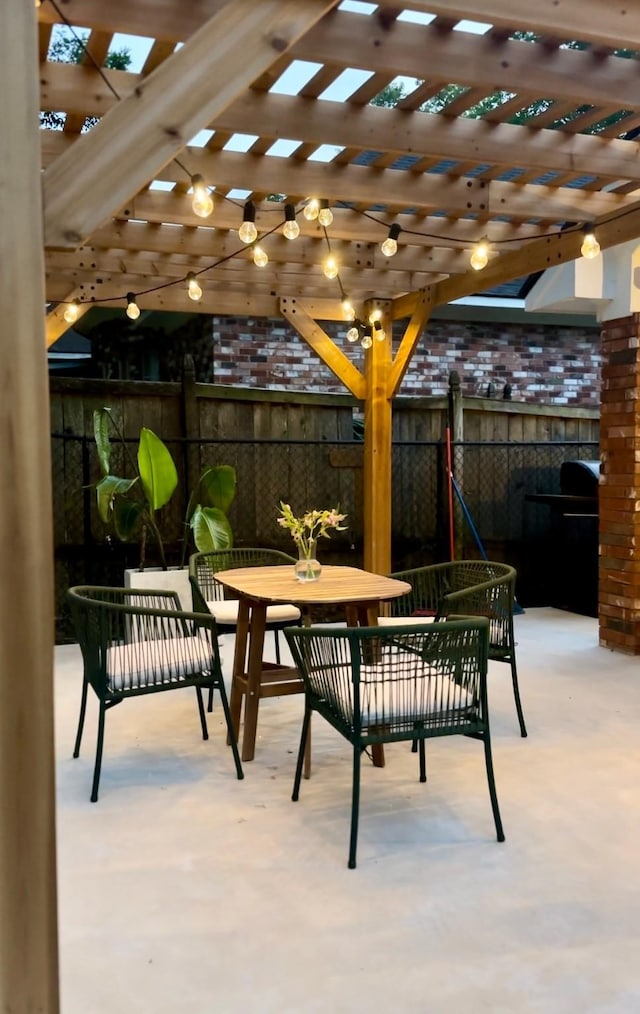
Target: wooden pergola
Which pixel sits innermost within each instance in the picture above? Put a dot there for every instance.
(284, 89)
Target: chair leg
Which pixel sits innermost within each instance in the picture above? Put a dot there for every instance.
(306, 721)
(233, 743)
(99, 746)
(83, 709)
(516, 694)
(355, 806)
(210, 701)
(203, 717)
(423, 762)
(492, 785)
(276, 641)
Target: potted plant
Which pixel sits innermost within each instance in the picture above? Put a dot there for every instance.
(130, 506)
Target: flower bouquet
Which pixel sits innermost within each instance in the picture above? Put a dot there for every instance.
(306, 531)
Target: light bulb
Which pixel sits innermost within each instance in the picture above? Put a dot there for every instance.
(590, 247)
(247, 231)
(133, 310)
(375, 315)
(353, 334)
(193, 287)
(260, 258)
(347, 309)
(291, 228)
(202, 202)
(480, 255)
(379, 332)
(311, 209)
(367, 341)
(330, 267)
(325, 215)
(390, 245)
(72, 311)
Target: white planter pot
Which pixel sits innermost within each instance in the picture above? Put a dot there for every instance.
(174, 579)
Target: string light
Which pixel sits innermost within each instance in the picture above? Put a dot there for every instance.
(72, 311)
(325, 214)
(260, 258)
(291, 228)
(348, 310)
(247, 231)
(330, 267)
(202, 202)
(379, 332)
(390, 246)
(480, 255)
(311, 209)
(194, 289)
(590, 247)
(367, 340)
(353, 333)
(133, 310)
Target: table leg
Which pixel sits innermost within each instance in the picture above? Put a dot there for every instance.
(254, 673)
(239, 659)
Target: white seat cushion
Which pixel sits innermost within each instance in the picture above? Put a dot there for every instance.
(150, 663)
(226, 612)
(395, 621)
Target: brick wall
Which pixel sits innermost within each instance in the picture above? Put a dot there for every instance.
(554, 365)
(619, 572)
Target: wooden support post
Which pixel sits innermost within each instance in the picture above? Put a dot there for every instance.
(377, 446)
(28, 917)
(456, 426)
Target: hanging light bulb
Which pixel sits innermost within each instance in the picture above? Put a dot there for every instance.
(353, 334)
(347, 308)
(590, 247)
(133, 310)
(480, 255)
(291, 229)
(379, 332)
(260, 258)
(325, 214)
(202, 201)
(193, 287)
(247, 231)
(390, 246)
(330, 267)
(311, 209)
(376, 314)
(367, 340)
(72, 311)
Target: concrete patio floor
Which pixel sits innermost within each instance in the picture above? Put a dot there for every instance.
(184, 890)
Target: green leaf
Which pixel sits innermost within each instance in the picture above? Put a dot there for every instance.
(101, 424)
(157, 471)
(211, 529)
(107, 490)
(126, 515)
(218, 486)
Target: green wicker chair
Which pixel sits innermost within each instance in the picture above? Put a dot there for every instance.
(393, 683)
(466, 588)
(209, 594)
(139, 642)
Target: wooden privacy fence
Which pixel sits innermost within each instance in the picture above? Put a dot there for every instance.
(307, 449)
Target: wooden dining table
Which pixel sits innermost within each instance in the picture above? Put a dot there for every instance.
(256, 588)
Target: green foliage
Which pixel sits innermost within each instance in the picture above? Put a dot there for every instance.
(69, 47)
(130, 505)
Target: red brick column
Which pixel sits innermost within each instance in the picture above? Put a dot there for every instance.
(619, 572)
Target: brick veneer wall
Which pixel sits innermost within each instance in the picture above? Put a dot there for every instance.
(619, 569)
(554, 365)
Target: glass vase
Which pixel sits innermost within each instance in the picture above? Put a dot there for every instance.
(307, 567)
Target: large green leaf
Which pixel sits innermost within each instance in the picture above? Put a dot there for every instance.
(218, 486)
(101, 424)
(108, 490)
(211, 529)
(157, 471)
(126, 517)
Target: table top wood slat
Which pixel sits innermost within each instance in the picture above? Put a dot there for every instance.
(336, 585)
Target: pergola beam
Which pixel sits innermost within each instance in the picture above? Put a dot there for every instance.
(130, 145)
(294, 311)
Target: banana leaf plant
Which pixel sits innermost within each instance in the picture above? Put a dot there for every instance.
(130, 505)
